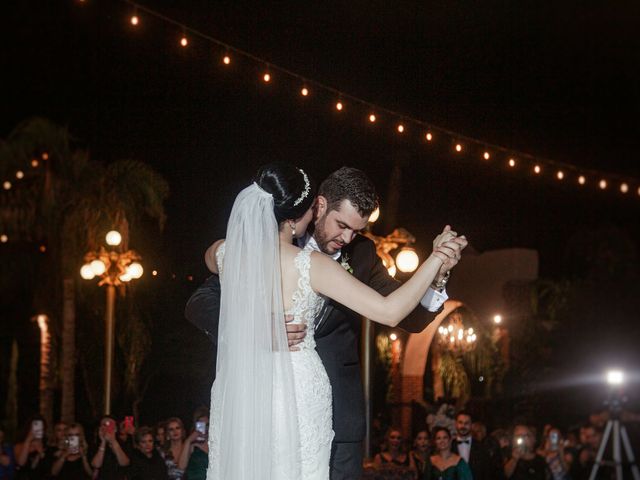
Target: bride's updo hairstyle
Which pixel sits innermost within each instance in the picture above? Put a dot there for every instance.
(292, 189)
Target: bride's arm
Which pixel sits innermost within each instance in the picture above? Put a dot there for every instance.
(329, 278)
(210, 256)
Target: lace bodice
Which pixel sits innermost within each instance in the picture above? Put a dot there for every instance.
(306, 303)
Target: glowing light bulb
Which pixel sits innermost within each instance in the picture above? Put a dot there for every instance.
(560, 175)
(226, 59)
(374, 215)
(4, 238)
(34, 163)
(497, 319)
(582, 180)
(393, 337)
(372, 118)
(537, 169)
(615, 377)
(113, 238)
(450, 328)
(304, 91)
(400, 128)
(45, 156)
(470, 331)
(473, 337)
(392, 271)
(458, 147)
(407, 260)
(42, 248)
(638, 191)
(98, 267)
(125, 277)
(460, 334)
(86, 272)
(266, 77)
(428, 136)
(184, 41)
(486, 155)
(134, 20)
(19, 174)
(512, 162)
(339, 106)
(602, 184)
(624, 188)
(154, 273)
(135, 270)
(452, 339)
(6, 185)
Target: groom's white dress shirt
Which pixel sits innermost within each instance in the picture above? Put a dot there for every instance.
(432, 300)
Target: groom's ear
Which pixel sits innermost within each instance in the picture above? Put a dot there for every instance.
(321, 206)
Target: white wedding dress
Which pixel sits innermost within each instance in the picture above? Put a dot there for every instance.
(312, 387)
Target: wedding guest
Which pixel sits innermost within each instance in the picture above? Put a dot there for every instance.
(30, 451)
(524, 463)
(159, 434)
(174, 442)
(110, 459)
(126, 432)
(446, 465)
(7, 459)
(195, 452)
(72, 463)
(421, 451)
(478, 431)
(472, 451)
(394, 454)
(146, 461)
(553, 451)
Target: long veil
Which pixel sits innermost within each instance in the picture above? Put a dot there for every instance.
(254, 431)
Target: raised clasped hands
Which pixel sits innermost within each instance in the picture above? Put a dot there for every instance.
(448, 246)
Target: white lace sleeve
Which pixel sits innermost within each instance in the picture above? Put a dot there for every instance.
(220, 257)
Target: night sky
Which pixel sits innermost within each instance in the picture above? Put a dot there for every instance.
(554, 79)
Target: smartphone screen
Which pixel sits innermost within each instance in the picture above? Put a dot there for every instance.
(201, 428)
(37, 427)
(128, 424)
(74, 444)
(110, 426)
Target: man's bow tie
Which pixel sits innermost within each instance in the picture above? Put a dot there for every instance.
(463, 441)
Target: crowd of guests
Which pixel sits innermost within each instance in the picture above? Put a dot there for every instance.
(117, 451)
(462, 450)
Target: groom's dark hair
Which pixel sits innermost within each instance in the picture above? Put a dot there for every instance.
(350, 184)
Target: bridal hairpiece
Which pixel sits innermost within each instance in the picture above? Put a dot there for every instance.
(305, 192)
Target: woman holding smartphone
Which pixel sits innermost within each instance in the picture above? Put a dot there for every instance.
(30, 452)
(194, 458)
(110, 460)
(72, 464)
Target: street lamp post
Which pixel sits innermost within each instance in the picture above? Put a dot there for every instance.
(114, 268)
(406, 261)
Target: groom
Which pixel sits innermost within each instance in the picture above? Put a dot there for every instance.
(345, 201)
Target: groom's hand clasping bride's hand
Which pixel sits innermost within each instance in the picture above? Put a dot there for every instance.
(449, 243)
(295, 333)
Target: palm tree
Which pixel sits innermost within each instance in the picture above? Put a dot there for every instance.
(67, 207)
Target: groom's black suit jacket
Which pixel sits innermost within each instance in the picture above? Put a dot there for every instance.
(337, 335)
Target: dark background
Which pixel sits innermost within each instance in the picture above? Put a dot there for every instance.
(553, 79)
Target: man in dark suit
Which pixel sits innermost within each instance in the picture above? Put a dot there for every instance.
(473, 452)
(342, 209)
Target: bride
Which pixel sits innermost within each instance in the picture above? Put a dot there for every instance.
(271, 408)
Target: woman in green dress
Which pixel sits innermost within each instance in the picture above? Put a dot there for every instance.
(446, 465)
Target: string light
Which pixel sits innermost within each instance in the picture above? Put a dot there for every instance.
(226, 59)
(4, 238)
(45, 156)
(34, 163)
(42, 249)
(6, 185)
(19, 174)
(639, 191)
(154, 273)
